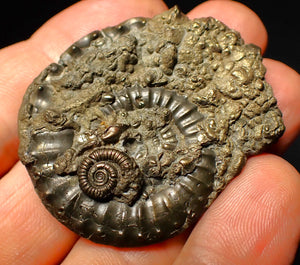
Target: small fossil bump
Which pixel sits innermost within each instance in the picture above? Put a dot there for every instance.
(86, 40)
(108, 98)
(55, 69)
(112, 133)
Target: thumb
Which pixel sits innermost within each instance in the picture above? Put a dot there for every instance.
(256, 220)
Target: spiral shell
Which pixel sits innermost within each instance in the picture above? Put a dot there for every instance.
(100, 172)
(96, 177)
(138, 127)
(97, 180)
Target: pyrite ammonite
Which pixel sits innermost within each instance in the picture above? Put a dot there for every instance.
(138, 127)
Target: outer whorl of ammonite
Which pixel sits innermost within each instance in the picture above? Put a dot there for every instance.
(138, 127)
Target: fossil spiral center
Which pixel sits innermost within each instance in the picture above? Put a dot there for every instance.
(101, 173)
(97, 179)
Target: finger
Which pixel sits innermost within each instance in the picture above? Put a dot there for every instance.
(25, 60)
(236, 16)
(28, 233)
(86, 252)
(256, 220)
(286, 83)
(8, 155)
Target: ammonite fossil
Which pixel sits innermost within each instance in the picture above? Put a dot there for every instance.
(138, 127)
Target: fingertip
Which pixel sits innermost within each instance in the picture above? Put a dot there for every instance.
(285, 82)
(236, 16)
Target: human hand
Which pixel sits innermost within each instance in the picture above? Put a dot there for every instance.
(256, 220)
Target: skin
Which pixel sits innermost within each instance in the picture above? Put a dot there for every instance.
(255, 220)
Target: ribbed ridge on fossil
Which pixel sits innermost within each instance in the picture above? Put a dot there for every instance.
(184, 113)
(46, 146)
